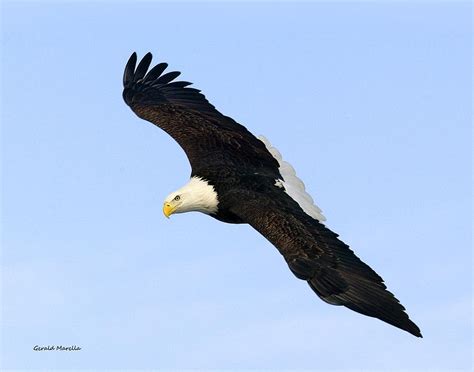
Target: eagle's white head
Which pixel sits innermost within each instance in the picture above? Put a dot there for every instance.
(197, 195)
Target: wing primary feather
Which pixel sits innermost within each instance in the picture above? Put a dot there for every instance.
(166, 78)
(156, 71)
(142, 67)
(129, 69)
(179, 84)
(153, 88)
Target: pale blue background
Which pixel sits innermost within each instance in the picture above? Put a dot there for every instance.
(371, 102)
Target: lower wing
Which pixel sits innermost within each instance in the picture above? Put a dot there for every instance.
(315, 254)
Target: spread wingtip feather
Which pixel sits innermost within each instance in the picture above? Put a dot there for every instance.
(143, 67)
(129, 69)
(154, 87)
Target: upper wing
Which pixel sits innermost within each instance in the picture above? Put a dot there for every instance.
(314, 253)
(207, 137)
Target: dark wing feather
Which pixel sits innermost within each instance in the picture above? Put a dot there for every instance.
(179, 84)
(129, 71)
(210, 140)
(156, 71)
(315, 254)
(166, 78)
(142, 67)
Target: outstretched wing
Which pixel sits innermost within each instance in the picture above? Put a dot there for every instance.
(208, 138)
(315, 254)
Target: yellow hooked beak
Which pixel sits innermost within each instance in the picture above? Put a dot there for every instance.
(168, 209)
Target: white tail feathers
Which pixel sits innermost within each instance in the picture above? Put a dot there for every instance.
(294, 187)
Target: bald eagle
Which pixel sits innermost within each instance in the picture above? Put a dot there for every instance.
(239, 178)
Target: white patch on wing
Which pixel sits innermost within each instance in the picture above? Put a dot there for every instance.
(294, 187)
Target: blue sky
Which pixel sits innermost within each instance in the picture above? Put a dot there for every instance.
(370, 102)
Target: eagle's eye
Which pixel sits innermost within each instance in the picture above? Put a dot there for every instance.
(177, 197)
